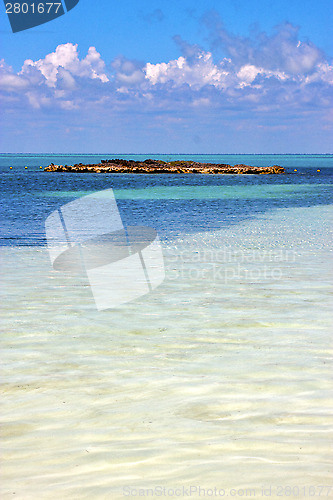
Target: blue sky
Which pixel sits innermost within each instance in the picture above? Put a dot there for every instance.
(213, 76)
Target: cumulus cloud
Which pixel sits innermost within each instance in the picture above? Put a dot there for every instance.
(281, 51)
(197, 73)
(9, 81)
(66, 57)
(128, 72)
(281, 56)
(234, 74)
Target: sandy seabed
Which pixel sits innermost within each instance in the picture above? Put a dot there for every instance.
(214, 381)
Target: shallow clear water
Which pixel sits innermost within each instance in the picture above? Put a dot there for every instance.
(219, 378)
(171, 204)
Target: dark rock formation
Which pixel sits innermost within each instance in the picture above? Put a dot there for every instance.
(149, 166)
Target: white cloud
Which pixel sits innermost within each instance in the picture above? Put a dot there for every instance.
(248, 73)
(38, 101)
(258, 74)
(196, 74)
(297, 57)
(9, 81)
(68, 105)
(128, 73)
(281, 56)
(12, 82)
(66, 57)
(323, 73)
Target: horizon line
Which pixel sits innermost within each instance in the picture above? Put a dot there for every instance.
(165, 154)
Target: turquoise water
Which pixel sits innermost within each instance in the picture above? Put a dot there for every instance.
(221, 377)
(171, 204)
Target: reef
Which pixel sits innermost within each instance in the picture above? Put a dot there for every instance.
(119, 166)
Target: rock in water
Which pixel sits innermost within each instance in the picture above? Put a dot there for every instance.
(149, 166)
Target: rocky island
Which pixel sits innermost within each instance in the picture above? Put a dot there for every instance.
(118, 166)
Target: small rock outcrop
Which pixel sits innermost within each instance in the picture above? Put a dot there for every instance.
(149, 166)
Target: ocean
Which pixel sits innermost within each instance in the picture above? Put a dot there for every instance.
(216, 383)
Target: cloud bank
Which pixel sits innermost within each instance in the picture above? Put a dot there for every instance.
(237, 77)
